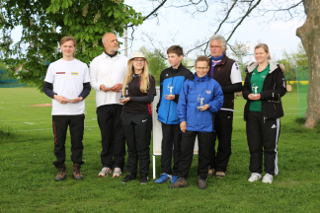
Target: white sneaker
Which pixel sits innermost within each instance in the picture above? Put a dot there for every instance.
(267, 178)
(116, 172)
(254, 177)
(105, 171)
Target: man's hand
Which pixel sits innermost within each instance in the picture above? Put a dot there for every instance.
(104, 88)
(170, 97)
(204, 107)
(124, 100)
(254, 97)
(183, 126)
(116, 88)
(61, 99)
(76, 100)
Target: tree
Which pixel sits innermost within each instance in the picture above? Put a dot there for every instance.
(309, 34)
(296, 65)
(44, 22)
(156, 61)
(239, 52)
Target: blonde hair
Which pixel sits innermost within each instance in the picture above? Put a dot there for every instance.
(264, 47)
(67, 38)
(144, 77)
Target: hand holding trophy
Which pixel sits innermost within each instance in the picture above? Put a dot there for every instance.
(201, 106)
(254, 95)
(170, 96)
(124, 96)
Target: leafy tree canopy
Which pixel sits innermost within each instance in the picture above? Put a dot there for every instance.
(44, 22)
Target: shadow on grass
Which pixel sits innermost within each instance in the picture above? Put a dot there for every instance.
(6, 135)
(300, 121)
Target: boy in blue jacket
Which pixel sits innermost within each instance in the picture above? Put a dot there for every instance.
(198, 100)
(171, 82)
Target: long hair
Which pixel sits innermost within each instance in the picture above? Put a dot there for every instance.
(144, 77)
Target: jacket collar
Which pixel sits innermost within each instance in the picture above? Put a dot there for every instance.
(223, 61)
(110, 56)
(217, 58)
(204, 78)
(179, 68)
(273, 66)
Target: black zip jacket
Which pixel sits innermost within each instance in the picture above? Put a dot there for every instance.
(274, 87)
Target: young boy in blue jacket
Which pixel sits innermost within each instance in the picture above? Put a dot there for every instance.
(171, 82)
(198, 100)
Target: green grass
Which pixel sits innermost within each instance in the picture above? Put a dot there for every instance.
(26, 171)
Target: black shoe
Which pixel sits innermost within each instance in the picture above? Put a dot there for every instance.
(143, 180)
(202, 183)
(181, 182)
(128, 178)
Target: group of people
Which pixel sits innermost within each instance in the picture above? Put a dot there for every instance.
(190, 105)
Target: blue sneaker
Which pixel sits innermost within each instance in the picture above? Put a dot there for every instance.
(164, 177)
(174, 179)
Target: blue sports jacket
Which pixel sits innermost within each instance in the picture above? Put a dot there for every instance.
(167, 110)
(206, 88)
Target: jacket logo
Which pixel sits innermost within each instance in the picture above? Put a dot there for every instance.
(60, 72)
(273, 126)
(74, 73)
(208, 92)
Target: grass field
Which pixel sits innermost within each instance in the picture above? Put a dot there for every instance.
(26, 171)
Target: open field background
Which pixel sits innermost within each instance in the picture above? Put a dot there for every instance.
(26, 171)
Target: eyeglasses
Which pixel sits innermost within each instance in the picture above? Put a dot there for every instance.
(202, 68)
(139, 60)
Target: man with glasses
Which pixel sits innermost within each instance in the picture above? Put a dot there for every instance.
(226, 71)
(107, 72)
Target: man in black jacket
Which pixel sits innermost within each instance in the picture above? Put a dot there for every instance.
(226, 71)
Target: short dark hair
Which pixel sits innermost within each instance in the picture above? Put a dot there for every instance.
(202, 58)
(67, 38)
(176, 49)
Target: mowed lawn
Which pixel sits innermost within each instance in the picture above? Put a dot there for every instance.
(26, 171)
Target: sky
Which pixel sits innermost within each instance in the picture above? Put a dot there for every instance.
(186, 27)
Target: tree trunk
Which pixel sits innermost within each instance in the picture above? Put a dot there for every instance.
(309, 34)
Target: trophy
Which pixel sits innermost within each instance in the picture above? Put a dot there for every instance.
(254, 89)
(170, 88)
(126, 93)
(200, 101)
